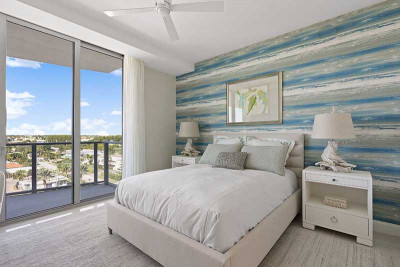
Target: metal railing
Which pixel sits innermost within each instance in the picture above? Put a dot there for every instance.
(34, 146)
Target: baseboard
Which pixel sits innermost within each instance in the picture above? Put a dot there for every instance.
(387, 228)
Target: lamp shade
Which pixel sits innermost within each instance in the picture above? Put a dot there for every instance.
(189, 129)
(333, 126)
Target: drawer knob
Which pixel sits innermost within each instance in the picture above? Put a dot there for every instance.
(334, 180)
(334, 219)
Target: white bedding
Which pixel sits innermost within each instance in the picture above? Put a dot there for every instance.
(214, 206)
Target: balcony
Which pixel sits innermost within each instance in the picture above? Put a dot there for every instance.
(34, 193)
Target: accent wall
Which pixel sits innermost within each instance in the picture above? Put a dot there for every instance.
(351, 62)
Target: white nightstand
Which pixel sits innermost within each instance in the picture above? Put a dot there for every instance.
(179, 161)
(356, 187)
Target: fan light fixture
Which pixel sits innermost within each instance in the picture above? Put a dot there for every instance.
(165, 7)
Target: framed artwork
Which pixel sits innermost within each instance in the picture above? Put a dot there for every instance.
(257, 100)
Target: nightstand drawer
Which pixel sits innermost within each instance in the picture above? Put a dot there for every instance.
(179, 161)
(337, 221)
(330, 179)
(186, 160)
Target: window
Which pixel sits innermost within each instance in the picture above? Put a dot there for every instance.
(40, 90)
(39, 110)
(101, 122)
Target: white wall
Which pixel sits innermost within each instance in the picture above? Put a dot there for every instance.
(160, 101)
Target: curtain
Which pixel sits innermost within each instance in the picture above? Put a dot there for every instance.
(133, 118)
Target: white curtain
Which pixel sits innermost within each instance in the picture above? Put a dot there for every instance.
(133, 118)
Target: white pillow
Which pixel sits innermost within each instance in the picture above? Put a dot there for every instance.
(266, 141)
(229, 140)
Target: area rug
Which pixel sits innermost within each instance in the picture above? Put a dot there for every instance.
(84, 241)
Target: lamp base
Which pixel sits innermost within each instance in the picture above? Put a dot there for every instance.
(331, 159)
(189, 150)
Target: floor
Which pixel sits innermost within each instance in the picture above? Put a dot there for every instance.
(18, 205)
(79, 237)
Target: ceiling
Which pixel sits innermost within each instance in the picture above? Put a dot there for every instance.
(202, 35)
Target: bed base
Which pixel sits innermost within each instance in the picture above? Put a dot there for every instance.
(172, 249)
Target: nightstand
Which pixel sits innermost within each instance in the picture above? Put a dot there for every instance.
(356, 187)
(179, 161)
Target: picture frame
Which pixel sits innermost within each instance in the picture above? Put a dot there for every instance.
(255, 101)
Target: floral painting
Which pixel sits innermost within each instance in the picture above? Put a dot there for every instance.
(256, 100)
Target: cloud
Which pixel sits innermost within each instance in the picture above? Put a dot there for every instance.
(88, 124)
(103, 133)
(84, 104)
(116, 112)
(117, 72)
(22, 63)
(17, 103)
(95, 126)
(27, 129)
(88, 127)
(61, 126)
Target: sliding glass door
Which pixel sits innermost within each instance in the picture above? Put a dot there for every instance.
(61, 128)
(101, 121)
(39, 93)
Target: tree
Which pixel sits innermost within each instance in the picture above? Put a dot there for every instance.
(117, 176)
(111, 149)
(64, 167)
(84, 170)
(20, 175)
(91, 159)
(44, 174)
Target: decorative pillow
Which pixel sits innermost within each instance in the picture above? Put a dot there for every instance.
(230, 160)
(254, 141)
(266, 158)
(212, 151)
(229, 140)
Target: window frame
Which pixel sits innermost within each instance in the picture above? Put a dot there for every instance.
(76, 103)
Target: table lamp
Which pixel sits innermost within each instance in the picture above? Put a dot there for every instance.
(189, 129)
(333, 126)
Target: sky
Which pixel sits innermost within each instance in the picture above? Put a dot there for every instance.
(39, 99)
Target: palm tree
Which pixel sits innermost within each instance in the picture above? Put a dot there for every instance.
(64, 167)
(20, 175)
(84, 170)
(44, 173)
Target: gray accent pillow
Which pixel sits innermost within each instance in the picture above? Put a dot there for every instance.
(266, 158)
(212, 151)
(230, 160)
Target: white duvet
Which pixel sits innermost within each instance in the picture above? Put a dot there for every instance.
(214, 206)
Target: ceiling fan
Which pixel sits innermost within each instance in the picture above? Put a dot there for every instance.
(165, 7)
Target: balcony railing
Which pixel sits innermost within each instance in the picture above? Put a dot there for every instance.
(34, 164)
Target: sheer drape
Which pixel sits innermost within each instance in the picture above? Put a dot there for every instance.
(133, 118)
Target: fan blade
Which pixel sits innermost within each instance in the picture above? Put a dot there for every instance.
(124, 12)
(213, 6)
(169, 24)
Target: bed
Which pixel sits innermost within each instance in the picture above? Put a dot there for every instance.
(170, 244)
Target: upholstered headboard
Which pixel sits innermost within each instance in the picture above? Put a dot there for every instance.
(295, 161)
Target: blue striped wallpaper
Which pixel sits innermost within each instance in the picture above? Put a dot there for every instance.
(351, 62)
